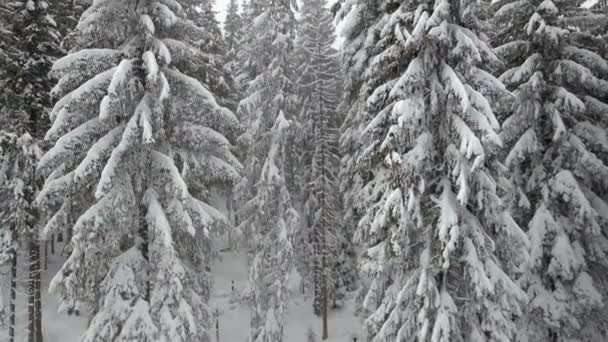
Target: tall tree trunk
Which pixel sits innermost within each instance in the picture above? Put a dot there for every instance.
(230, 217)
(68, 230)
(31, 308)
(11, 327)
(143, 233)
(325, 312)
(34, 305)
(37, 293)
(53, 244)
(324, 289)
(46, 255)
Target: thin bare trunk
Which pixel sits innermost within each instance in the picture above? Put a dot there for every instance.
(325, 312)
(37, 294)
(34, 300)
(11, 327)
(143, 233)
(31, 310)
(46, 255)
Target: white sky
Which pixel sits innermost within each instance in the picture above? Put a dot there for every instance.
(220, 7)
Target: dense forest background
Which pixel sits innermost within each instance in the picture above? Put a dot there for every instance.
(405, 170)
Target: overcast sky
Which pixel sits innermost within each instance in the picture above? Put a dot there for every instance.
(220, 7)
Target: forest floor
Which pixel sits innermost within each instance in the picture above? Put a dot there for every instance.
(233, 314)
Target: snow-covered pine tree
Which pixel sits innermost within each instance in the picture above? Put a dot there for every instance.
(66, 14)
(233, 26)
(19, 219)
(358, 30)
(267, 218)
(250, 61)
(322, 236)
(29, 45)
(270, 92)
(210, 68)
(202, 13)
(557, 147)
(323, 207)
(434, 216)
(272, 219)
(133, 133)
(8, 238)
(360, 24)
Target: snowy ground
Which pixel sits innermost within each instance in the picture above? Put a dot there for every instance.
(56, 327)
(233, 317)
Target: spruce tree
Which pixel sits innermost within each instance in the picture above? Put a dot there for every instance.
(556, 142)
(267, 219)
(272, 218)
(29, 44)
(250, 60)
(322, 236)
(358, 27)
(19, 217)
(134, 137)
(438, 239)
(232, 29)
(210, 67)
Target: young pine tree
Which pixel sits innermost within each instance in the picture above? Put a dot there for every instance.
(133, 133)
(557, 154)
(435, 228)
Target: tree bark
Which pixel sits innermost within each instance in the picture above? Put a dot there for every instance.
(34, 300)
(143, 233)
(31, 308)
(324, 304)
(46, 255)
(11, 327)
(68, 231)
(38, 294)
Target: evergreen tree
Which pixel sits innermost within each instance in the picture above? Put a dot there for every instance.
(251, 61)
(272, 217)
(134, 136)
(210, 67)
(322, 236)
(233, 26)
(18, 216)
(66, 14)
(269, 94)
(28, 47)
(557, 148)
(358, 27)
(267, 218)
(438, 240)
